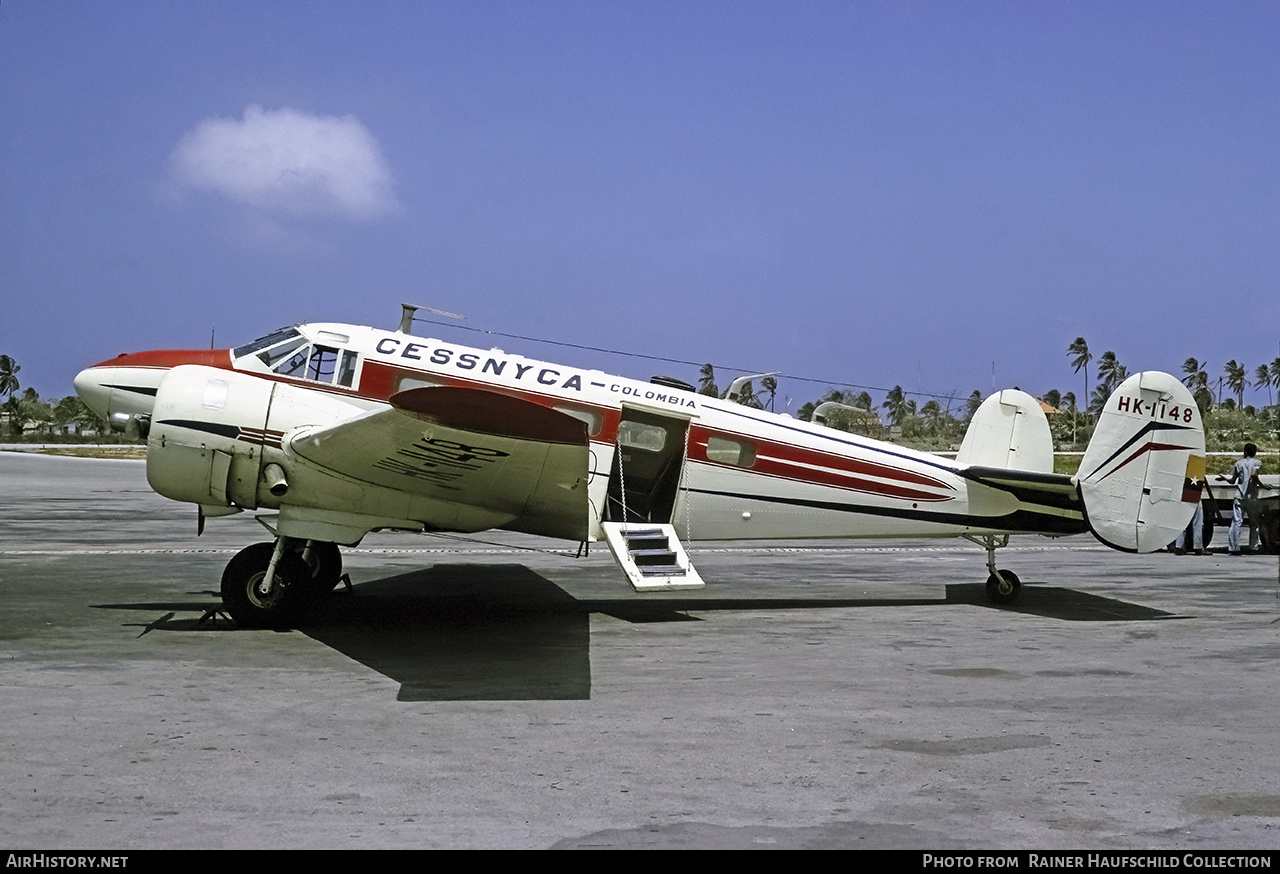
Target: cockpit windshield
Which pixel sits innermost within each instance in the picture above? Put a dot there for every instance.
(263, 345)
(288, 353)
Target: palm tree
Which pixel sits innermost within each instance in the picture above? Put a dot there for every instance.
(8, 375)
(20, 408)
(1098, 402)
(933, 417)
(1111, 373)
(896, 403)
(748, 398)
(707, 381)
(1261, 379)
(1069, 401)
(87, 420)
(971, 405)
(1236, 380)
(1196, 377)
(1080, 349)
(770, 385)
(8, 385)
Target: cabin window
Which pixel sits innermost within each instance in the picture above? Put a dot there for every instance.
(347, 369)
(739, 453)
(641, 435)
(594, 420)
(407, 381)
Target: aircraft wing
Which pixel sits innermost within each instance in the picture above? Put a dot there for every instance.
(446, 448)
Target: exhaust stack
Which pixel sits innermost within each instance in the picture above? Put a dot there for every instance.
(277, 482)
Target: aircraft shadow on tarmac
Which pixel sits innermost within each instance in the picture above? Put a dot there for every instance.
(504, 632)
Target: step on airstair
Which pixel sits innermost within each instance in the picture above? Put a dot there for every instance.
(651, 556)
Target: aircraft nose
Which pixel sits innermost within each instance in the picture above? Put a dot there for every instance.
(90, 387)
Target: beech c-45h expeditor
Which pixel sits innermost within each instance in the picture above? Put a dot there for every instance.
(341, 430)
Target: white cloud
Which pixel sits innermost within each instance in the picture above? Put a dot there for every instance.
(288, 162)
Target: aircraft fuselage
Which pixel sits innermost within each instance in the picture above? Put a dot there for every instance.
(713, 468)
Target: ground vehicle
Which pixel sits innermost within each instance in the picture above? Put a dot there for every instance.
(1218, 499)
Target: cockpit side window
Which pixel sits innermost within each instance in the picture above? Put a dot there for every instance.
(271, 357)
(295, 364)
(317, 363)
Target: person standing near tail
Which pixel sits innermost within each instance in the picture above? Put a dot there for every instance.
(1245, 477)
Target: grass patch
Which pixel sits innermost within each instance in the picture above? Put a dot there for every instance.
(82, 450)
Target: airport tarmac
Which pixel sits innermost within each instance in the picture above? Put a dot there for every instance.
(848, 694)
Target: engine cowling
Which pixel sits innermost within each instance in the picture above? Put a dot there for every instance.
(207, 435)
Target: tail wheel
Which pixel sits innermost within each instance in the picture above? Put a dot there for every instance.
(278, 604)
(1003, 587)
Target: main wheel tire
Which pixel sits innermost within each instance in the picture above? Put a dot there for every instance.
(1005, 592)
(324, 564)
(283, 605)
(1269, 532)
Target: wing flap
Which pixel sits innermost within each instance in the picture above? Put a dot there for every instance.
(512, 459)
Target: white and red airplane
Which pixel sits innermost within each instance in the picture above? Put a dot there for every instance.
(343, 430)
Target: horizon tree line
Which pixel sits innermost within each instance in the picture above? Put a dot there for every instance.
(941, 417)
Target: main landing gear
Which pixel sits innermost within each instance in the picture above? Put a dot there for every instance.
(270, 585)
(1003, 586)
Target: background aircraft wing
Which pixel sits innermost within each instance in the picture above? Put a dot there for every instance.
(508, 458)
(1049, 489)
(1047, 502)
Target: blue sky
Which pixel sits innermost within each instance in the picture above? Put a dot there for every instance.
(916, 193)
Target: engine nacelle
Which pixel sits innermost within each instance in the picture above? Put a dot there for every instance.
(207, 433)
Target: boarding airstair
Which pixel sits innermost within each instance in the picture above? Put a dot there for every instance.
(651, 556)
